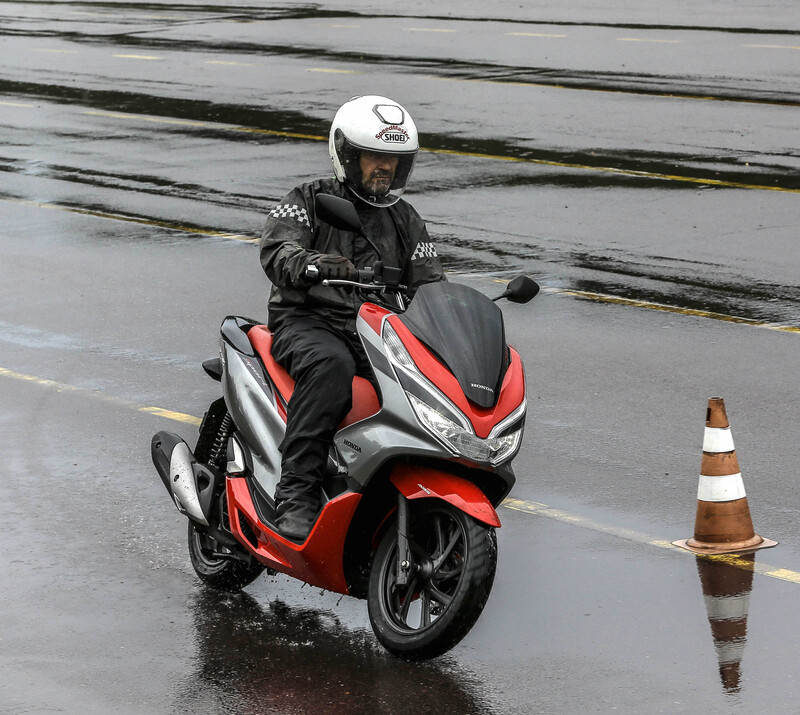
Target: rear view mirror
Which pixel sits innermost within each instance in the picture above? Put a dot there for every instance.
(520, 290)
(338, 212)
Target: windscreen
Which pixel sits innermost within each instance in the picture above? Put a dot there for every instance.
(464, 329)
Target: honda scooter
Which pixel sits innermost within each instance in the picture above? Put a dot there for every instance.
(415, 472)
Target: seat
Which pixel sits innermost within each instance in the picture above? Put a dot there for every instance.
(365, 399)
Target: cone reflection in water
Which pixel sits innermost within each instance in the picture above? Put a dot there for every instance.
(726, 591)
(723, 524)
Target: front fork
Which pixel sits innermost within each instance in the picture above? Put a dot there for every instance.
(404, 566)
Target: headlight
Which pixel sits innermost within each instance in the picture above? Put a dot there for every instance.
(492, 450)
(442, 418)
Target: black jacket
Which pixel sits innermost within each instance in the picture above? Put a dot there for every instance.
(292, 238)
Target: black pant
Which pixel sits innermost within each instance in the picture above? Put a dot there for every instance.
(322, 361)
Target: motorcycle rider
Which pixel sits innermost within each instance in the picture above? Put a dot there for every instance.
(373, 145)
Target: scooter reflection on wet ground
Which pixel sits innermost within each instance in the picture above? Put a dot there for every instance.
(277, 658)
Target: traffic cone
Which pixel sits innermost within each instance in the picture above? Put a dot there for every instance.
(723, 524)
(726, 591)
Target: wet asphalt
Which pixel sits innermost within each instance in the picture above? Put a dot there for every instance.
(640, 162)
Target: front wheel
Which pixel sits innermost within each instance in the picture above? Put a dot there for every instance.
(454, 560)
(215, 568)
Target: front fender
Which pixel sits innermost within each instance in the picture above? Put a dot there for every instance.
(416, 482)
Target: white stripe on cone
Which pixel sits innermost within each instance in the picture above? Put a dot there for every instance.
(727, 608)
(725, 488)
(728, 653)
(718, 439)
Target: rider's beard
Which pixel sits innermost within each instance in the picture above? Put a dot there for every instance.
(378, 182)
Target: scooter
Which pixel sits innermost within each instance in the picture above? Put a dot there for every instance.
(415, 473)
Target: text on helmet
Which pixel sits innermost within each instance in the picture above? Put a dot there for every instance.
(393, 135)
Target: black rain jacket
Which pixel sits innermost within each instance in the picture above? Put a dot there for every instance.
(292, 238)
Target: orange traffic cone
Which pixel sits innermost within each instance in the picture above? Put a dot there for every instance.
(726, 591)
(723, 524)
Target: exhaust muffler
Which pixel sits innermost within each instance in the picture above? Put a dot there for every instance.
(191, 485)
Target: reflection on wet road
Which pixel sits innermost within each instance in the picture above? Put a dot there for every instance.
(268, 659)
(726, 592)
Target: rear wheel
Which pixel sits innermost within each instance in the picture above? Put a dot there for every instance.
(215, 567)
(454, 560)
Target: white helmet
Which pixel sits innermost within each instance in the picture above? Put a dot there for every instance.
(378, 125)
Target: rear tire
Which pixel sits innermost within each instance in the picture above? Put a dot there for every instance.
(457, 559)
(219, 572)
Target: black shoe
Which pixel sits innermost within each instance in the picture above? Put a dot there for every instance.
(294, 519)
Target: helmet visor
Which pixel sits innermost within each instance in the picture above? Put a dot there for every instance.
(376, 177)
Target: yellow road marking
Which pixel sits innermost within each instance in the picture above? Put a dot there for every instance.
(154, 120)
(98, 395)
(587, 295)
(138, 57)
(60, 52)
(533, 34)
(210, 125)
(473, 155)
(136, 219)
(645, 39)
(522, 505)
(17, 104)
(604, 298)
(614, 170)
(776, 47)
(531, 507)
(426, 29)
(332, 71)
(232, 64)
(163, 17)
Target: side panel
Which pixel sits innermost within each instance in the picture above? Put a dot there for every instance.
(255, 413)
(416, 482)
(318, 561)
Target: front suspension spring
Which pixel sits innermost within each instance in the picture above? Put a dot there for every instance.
(219, 449)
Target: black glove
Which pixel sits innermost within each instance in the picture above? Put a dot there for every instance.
(335, 267)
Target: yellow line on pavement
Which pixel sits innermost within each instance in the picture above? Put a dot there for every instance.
(776, 47)
(604, 298)
(531, 507)
(135, 219)
(331, 71)
(17, 104)
(210, 125)
(614, 170)
(232, 64)
(645, 39)
(138, 57)
(452, 152)
(522, 505)
(102, 396)
(586, 295)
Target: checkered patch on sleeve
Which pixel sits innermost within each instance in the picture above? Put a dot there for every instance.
(424, 250)
(291, 211)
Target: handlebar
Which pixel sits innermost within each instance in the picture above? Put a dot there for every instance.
(368, 280)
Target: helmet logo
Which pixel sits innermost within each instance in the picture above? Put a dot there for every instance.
(393, 135)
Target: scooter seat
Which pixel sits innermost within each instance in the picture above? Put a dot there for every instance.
(365, 399)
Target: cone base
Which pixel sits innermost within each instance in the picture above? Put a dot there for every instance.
(736, 547)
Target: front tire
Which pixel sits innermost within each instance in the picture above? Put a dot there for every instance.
(456, 559)
(219, 572)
